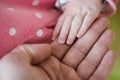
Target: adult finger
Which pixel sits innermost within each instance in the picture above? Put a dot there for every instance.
(82, 46)
(105, 67)
(59, 50)
(95, 55)
(32, 53)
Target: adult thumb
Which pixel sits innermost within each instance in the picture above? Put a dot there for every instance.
(35, 53)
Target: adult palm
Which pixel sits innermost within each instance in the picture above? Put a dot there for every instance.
(19, 65)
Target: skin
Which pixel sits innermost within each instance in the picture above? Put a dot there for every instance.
(93, 61)
(75, 20)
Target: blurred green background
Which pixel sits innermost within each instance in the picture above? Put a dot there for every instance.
(115, 26)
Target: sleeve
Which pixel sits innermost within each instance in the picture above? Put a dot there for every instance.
(109, 7)
(60, 3)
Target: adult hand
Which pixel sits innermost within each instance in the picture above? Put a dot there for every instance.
(90, 55)
(35, 62)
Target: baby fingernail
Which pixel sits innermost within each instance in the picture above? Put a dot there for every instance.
(69, 41)
(61, 41)
(79, 35)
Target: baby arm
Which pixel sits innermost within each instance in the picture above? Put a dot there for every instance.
(77, 17)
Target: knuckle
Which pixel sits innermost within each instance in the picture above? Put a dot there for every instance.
(81, 47)
(95, 32)
(98, 77)
(93, 11)
(104, 20)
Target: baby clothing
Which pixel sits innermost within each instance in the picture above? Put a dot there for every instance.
(110, 7)
(31, 21)
(26, 22)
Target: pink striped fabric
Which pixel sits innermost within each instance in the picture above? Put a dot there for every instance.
(110, 7)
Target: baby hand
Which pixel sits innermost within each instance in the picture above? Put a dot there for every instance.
(77, 17)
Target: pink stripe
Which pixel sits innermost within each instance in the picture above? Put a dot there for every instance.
(111, 7)
(112, 4)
